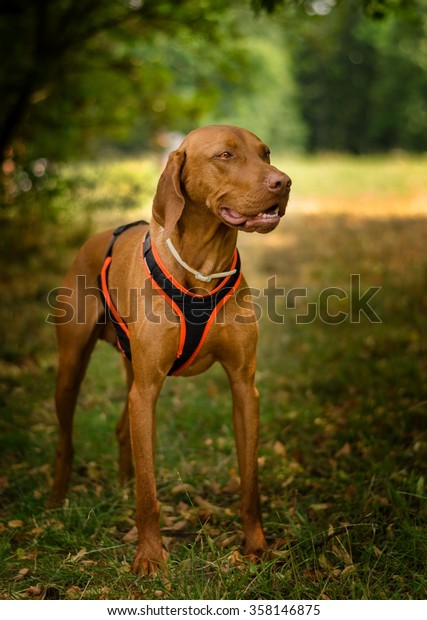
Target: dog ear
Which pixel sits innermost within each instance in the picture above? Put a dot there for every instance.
(169, 202)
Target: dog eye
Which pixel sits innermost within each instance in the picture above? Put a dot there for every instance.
(267, 153)
(225, 155)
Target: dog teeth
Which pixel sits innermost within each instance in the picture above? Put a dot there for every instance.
(271, 214)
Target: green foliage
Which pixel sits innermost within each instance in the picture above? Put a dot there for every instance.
(90, 69)
(265, 100)
(79, 76)
(362, 84)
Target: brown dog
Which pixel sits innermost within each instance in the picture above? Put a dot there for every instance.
(218, 182)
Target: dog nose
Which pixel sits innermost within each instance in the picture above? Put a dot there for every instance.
(278, 181)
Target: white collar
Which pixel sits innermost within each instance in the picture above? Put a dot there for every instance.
(197, 274)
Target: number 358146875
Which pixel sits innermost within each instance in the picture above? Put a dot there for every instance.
(284, 610)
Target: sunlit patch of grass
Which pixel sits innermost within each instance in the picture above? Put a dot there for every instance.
(375, 186)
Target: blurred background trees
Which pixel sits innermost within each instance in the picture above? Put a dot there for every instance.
(362, 83)
(86, 77)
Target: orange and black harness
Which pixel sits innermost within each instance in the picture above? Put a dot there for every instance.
(196, 312)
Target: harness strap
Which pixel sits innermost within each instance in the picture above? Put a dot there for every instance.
(122, 331)
(196, 312)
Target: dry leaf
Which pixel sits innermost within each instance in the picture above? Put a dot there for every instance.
(344, 451)
(36, 531)
(16, 523)
(74, 593)
(104, 593)
(4, 482)
(226, 542)
(78, 556)
(233, 485)
(182, 488)
(279, 448)
(262, 461)
(348, 569)
(34, 590)
(206, 507)
(319, 507)
(21, 574)
(132, 535)
(235, 559)
(324, 562)
(343, 555)
(93, 471)
(179, 525)
(80, 488)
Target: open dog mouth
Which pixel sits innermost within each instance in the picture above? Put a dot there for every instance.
(270, 216)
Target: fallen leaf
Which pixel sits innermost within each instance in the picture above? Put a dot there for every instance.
(343, 555)
(344, 451)
(350, 491)
(4, 482)
(104, 593)
(206, 507)
(226, 542)
(78, 556)
(233, 485)
(289, 480)
(15, 523)
(319, 507)
(348, 569)
(132, 535)
(74, 593)
(182, 487)
(34, 590)
(235, 559)
(279, 449)
(179, 525)
(21, 574)
(324, 562)
(80, 488)
(24, 554)
(36, 531)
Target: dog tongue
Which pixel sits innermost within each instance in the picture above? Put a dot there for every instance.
(232, 216)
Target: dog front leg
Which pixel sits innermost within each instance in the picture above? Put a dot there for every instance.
(150, 554)
(246, 429)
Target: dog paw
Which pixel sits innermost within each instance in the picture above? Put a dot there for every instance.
(149, 560)
(255, 553)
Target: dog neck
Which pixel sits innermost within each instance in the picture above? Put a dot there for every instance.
(202, 241)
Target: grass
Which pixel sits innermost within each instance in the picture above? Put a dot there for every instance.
(343, 445)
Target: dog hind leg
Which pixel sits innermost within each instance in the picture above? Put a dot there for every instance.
(76, 341)
(126, 468)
